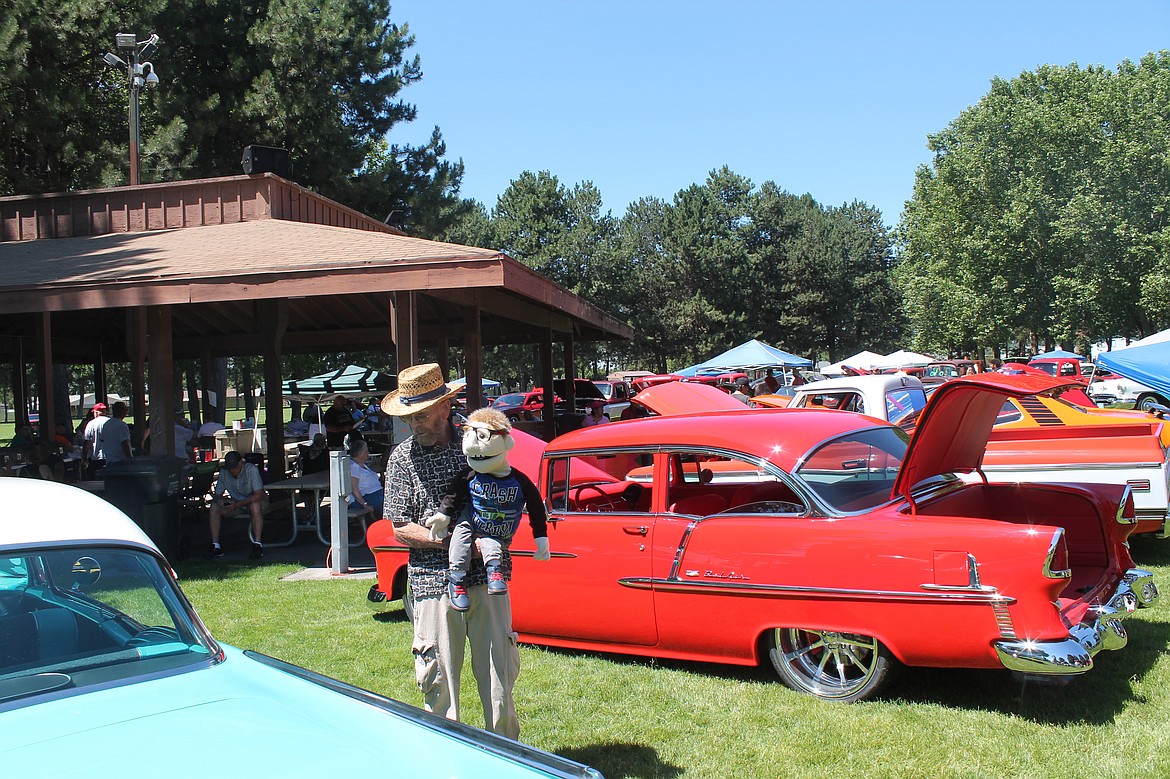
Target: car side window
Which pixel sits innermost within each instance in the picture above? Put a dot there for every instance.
(602, 483)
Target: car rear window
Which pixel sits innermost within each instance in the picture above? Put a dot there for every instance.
(856, 471)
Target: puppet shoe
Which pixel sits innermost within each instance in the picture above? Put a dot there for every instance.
(458, 595)
(496, 584)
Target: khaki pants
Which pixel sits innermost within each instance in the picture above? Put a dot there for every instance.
(440, 638)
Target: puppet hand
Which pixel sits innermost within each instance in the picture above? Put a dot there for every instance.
(438, 523)
(542, 552)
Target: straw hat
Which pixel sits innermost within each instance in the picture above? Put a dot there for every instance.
(419, 388)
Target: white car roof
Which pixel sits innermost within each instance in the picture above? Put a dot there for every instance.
(875, 381)
(37, 511)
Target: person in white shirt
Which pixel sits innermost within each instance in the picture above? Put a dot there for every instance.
(115, 436)
(91, 445)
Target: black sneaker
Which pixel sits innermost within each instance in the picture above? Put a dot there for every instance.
(257, 552)
(214, 552)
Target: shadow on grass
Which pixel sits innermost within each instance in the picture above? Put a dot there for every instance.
(623, 761)
(390, 617)
(1147, 550)
(1094, 698)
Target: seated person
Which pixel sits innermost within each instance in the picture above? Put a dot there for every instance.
(366, 490)
(314, 457)
(23, 438)
(237, 488)
(596, 415)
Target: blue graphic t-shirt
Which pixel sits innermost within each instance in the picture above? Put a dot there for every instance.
(495, 503)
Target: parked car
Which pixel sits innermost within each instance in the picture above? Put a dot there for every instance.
(823, 544)
(944, 370)
(106, 670)
(518, 405)
(1109, 389)
(1063, 367)
(1058, 444)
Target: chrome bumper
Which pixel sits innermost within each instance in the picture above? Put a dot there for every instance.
(1074, 655)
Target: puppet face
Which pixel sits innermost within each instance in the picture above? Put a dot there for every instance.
(486, 448)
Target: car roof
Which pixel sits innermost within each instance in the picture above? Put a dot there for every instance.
(37, 511)
(779, 435)
(881, 380)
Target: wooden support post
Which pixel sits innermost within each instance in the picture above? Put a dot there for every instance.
(47, 424)
(473, 357)
(570, 373)
(136, 328)
(546, 381)
(19, 396)
(403, 328)
(161, 356)
(272, 321)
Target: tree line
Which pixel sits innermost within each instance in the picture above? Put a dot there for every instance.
(1041, 219)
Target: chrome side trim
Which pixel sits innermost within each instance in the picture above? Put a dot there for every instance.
(1126, 495)
(973, 584)
(1074, 653)
(988, 595)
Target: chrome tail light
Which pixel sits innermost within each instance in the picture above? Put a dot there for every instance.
(1056, 564)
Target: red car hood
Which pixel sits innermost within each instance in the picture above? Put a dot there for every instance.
(685, 397)
(953, 430)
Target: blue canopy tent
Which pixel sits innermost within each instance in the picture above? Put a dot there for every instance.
(1149, 365)
(752, 355)
(485, 383)
(1059, 354)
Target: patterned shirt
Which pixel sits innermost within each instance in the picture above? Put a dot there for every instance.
(417, 478)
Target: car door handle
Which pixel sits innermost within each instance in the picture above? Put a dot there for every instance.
(636, 530)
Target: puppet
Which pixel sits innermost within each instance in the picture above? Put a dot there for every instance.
(485, 502)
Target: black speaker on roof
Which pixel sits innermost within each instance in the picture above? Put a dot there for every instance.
(265, 159)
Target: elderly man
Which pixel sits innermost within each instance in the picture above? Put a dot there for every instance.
(237, 488)
(418, 473)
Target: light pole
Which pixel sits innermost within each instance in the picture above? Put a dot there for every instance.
(140, 72)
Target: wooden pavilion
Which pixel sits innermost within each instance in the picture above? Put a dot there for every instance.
(252, 265)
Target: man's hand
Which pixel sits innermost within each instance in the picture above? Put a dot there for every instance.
(438, 523)
(542, 552)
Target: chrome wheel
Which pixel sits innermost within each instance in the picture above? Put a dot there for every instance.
(833, 666)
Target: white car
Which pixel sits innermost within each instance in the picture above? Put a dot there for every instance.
(1113, 389)
(106, 671)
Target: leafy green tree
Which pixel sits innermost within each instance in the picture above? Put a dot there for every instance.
(1042, 217)
(318, 77)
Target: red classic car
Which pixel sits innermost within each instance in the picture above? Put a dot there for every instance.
(515, 405)
(822, 543)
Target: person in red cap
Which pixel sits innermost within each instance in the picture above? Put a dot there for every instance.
(92, 453)
(596, 415)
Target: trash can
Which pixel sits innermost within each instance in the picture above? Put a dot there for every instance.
(148, 490)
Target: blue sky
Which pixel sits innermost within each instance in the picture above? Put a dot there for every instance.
(646, 97)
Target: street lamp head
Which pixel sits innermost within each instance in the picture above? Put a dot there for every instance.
(149, 47)
(125, 40)
(114, 61)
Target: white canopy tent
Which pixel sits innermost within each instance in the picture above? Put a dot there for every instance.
(863, 360)
(903, 359)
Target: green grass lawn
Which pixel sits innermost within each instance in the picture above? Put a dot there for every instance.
(634, 717)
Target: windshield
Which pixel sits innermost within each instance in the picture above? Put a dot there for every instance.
(90, 614)
(855, 472)
(903, 402)
(1047, 367)
(511, 399)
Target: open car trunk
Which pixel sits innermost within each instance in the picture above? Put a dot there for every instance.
(1094, 536)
